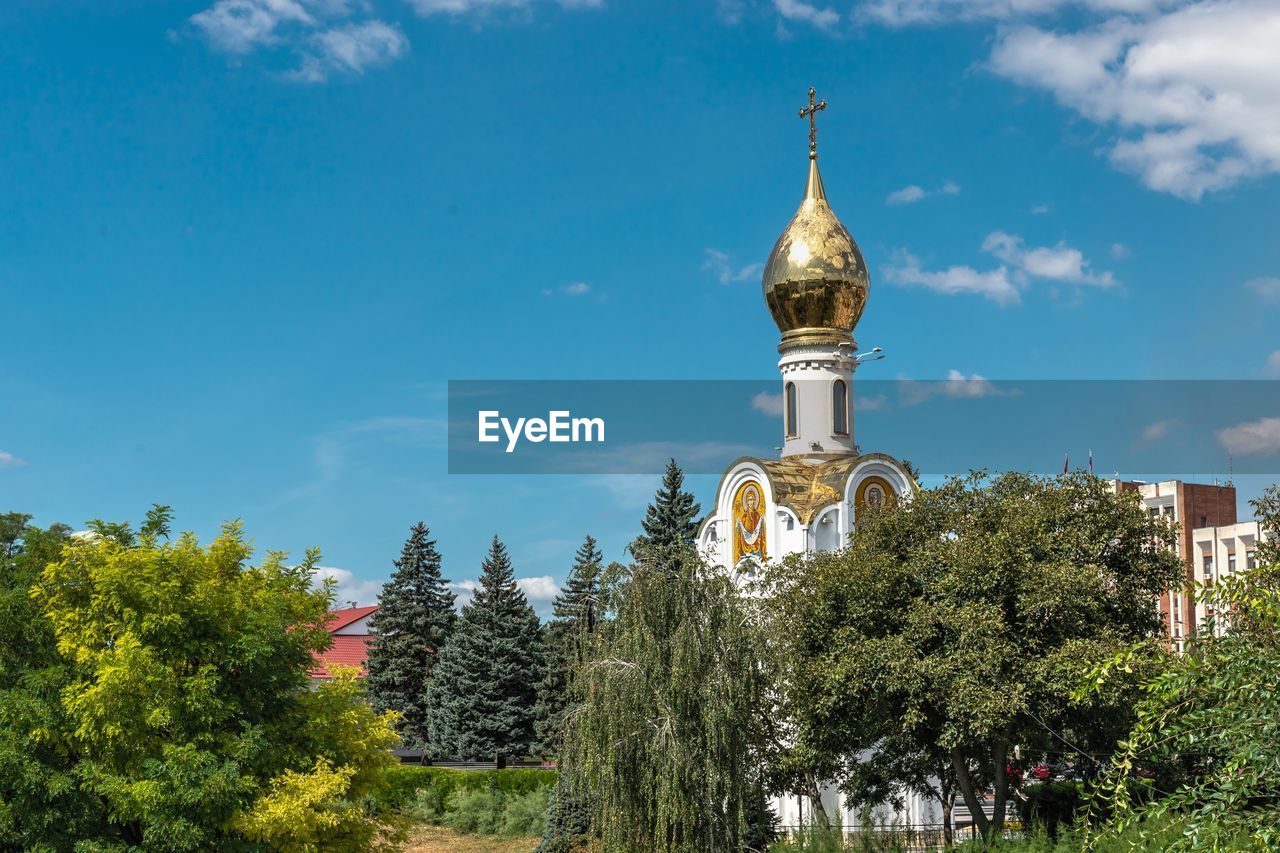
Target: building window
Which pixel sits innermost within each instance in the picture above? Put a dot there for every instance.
(1208, 565)
(840, 408)
(1250, 560)
(791, 409)
(1231, 563)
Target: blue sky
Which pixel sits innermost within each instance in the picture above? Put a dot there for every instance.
(244, 243)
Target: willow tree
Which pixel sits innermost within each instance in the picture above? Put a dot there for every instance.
(666, 730)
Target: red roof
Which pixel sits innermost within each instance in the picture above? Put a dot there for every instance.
(347, 649)
(339, 619)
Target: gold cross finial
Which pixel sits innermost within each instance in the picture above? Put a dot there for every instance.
(812, 112)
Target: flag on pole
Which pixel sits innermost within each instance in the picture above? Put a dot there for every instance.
(1090, 460)
(1066, 463)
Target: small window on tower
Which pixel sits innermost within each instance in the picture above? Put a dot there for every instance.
(840, 408)
(791, 410)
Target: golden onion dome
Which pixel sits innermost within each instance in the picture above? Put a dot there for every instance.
(816, 282)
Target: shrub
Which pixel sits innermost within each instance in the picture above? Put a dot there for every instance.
(506, 803)
(409, 786)
(477, 812)
(525, 815)
(1051, 806)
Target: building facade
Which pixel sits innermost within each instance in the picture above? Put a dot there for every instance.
(1211, 543)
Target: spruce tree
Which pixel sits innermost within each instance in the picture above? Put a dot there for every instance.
(414, 619)
(576, 612)
(671, 522)
(482, 692)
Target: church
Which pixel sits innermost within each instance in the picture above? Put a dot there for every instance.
(816, 286)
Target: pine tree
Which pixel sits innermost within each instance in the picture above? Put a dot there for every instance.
(414, 619)
(482, 691)
(576, 613)
(672, 519)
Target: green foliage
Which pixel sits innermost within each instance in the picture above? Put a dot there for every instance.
(42, 805)
(761, 823)
(408, 784)
(506, 803)
(568, 820)
(575, 617)
(166, 694)
(1213, 716)
(665, 732)
(491, 812)
(1050, 806)
(671, 522)
(482, 692)
(414, 619)
(811, 839)
(957, 624)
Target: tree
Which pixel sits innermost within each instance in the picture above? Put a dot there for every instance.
(414, 619)
(957, 624)
(184, 716)
(671, 522)
(1211, 714)
(666, 732)
(41, 802)
(575, 614)
(483, 689)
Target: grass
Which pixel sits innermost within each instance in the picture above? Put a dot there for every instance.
(438, 839)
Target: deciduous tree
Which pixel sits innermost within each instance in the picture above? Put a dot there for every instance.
(184, 711)
(1211, 715)
(666, 732)
(959, 621)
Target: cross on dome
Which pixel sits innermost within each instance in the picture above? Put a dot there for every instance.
(811, 112)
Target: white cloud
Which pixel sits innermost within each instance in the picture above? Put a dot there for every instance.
(539, 590)
(906, 195)
(350, 588)
(871, 404)
(8, 460)
(721, 266)
(913, 193)
(798, 10)
(995, 285)
(462, 7)
(240, 26)
(1266, 288)
(320, 33)
(1002, 285)
(577, 288)
(956, 386)
(1273, 364)
(900, 13)
(1194, 91)
(1058, 263)
(351, 48)
(1252, 438)
(729, 11)
(1156, 431)
(1120, 251)
(769, 404)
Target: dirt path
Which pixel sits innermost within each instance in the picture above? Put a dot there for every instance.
(437, 839)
